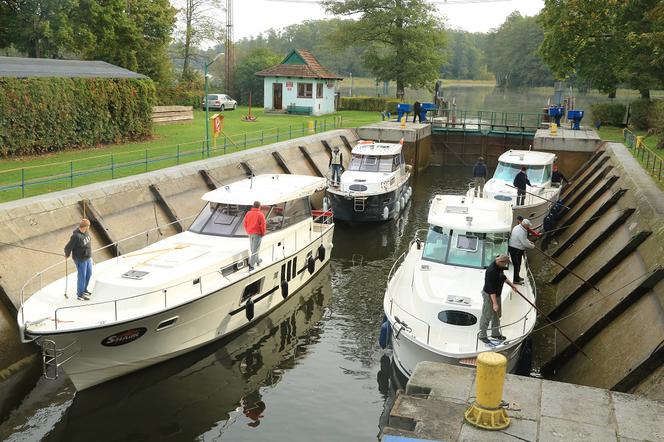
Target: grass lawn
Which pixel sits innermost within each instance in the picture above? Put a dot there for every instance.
(172, 144)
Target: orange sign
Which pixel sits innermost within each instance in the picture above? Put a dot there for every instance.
(217, 124)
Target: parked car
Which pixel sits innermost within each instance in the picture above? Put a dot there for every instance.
(220, 102)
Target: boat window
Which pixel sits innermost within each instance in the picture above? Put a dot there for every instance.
(296, 211)
(494, 245)
(456, 317)
(252, 289)
(435, 248)
(371, 163)
(537, 175)
(220, 219)
(466, 250)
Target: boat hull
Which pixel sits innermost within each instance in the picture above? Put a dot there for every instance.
(345, 207)
(104, 353)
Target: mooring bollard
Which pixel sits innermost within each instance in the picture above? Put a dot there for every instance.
(403, 122)
(486, 411)
(310, 126)
(554, 129)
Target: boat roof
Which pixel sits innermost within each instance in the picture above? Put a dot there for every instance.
(368, 147)
(487, 215)
(268, 189)
(527, 157)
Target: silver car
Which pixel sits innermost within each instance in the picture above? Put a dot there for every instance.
(220, 102)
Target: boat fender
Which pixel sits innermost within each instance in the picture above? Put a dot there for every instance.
(419, 243)
(311, 265)
(385, 332)
(284, 289)
(326, 204)
(249, 309)
(397, 207)
(321, 253)
(403, 202)
(386, 212)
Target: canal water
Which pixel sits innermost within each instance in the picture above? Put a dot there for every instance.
(310, 371)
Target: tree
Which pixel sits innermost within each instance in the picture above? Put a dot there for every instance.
(465, 59)
(404, 41)
(512, 53)
(246, 67)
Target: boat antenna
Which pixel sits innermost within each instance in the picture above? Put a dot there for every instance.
(551, 322)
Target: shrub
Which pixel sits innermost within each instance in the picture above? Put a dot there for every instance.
(608, 113)
(48, 114)
(183, 94)
(377, 104)
(639, 114)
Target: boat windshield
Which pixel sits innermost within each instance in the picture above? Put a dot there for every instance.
(467, 249)
(227, 219)
(537, 175)
(374, 163)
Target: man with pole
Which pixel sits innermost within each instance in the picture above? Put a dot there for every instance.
(517, 245)
(494, 278)
(520, 182)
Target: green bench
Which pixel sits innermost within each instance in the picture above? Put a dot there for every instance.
(299, 110)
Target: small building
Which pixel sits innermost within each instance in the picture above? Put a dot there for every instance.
(299, 85)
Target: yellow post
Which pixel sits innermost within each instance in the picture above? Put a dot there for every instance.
(486, 411)
(403, 122)
(554, 129)
(639, 141)
(310, 126)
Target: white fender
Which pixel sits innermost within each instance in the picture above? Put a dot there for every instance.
(326, 204)
(397, 207)
(402, 202)
(386, 212)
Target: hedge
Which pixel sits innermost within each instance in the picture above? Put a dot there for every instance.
(369, 104)
(180, 95)
(49, 114)
(611, 114)
(639, 114)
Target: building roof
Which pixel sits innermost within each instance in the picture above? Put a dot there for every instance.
(268, 189)
(20, 67)
(299, 63)
(477, 215)
(527, 157)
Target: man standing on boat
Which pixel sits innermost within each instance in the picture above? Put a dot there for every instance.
(517, 245)
(557, 178)
(520, 181)
(336, 162)
(494, 278)
(254, 225)
(479, 176)
(80, 248)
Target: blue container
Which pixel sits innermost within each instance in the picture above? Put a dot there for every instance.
(403, 109)
(576, 116)
(557, 112)
(426, 107)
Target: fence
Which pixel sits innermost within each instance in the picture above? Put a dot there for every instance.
(34, 180)
(486, 121)
(651, 162)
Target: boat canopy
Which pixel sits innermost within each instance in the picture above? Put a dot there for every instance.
(268, 189)
(372, 148)
(527, 158)
(478, 215)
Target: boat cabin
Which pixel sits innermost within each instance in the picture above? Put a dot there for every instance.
(284, 202)
(467, 232)
(368, 156)
(539, 166)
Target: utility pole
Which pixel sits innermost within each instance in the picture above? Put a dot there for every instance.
(229, 50)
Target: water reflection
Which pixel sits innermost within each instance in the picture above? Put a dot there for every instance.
(204, 392)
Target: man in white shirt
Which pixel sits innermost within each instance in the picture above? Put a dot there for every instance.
(518, 243)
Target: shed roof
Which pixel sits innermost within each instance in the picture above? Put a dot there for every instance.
(299, 63)
(45, 67)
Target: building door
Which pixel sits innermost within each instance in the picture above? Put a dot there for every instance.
(276, 96)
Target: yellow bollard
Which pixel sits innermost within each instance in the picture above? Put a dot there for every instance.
(310, 126)
(486, 411)
(639, 141)
(554, 129)
(403, 122)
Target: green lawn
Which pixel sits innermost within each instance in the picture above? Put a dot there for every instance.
(172, 144)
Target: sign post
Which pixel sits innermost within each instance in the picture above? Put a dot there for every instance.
(217, 127)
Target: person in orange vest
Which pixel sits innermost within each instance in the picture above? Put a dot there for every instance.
(255, 226)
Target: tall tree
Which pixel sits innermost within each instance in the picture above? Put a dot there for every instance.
(247, 65)
(404, 41)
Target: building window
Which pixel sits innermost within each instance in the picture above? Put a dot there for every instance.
(305, 90)
(319, 90)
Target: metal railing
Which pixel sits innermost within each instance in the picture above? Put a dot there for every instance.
(324, 219)
(33, 180)
(486, 121)
(650, 161)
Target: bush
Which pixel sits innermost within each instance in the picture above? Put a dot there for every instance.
(48, 114)
(180, 95)
(610, 114)
(377, 104)
(639, 114)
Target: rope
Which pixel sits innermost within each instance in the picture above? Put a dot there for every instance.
(31, 249)
(589, 219)
(594, 302)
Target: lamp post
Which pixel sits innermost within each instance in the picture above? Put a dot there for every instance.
(207, 105)
(351, 83)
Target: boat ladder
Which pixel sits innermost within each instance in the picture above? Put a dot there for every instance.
(53, 357)
(359, 204)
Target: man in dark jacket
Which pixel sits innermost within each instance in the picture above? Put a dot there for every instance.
(557, 177)
(494, 278)
(80, 249)
(479, 175)
(520, 182)
(416, 111)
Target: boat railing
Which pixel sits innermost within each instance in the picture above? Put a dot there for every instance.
(402, 257)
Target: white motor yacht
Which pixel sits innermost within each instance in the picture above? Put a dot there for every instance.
(184, 291)
(433, 300)
(541, 195)
(376, 185)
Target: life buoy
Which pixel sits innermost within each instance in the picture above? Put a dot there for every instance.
(249, 309)
(321, 253)
(311, 265)
(284, 289)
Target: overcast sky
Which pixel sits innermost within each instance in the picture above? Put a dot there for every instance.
(255, 16)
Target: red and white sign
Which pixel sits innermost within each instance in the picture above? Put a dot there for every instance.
(289, 85)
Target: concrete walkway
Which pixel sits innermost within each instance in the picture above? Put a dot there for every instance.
(438, 394)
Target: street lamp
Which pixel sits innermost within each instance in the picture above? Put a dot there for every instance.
(207, 105)
(351, 83)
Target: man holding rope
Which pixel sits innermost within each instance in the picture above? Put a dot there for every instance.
(494, 278)
(80, 248)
